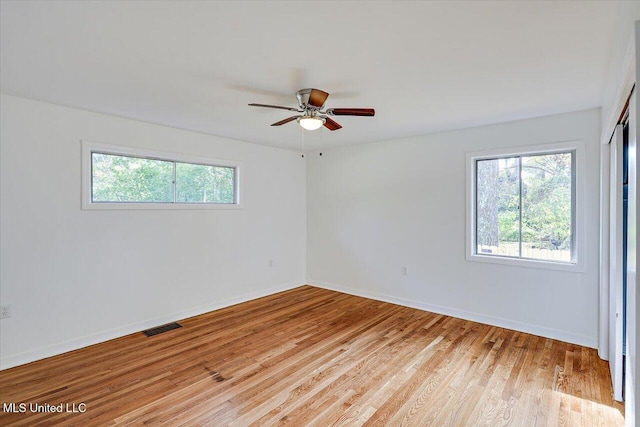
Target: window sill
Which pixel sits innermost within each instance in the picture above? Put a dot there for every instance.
(159, 206)
(527, 263)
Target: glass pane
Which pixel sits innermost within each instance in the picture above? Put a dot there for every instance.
(130, 179)
(547, 207)
(204, 184)
(497, 204)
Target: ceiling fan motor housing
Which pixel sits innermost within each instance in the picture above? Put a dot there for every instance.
(303, 96)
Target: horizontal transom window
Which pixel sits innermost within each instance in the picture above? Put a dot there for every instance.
(122, 177)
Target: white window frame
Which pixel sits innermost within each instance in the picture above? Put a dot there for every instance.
(90, 147)
(577, 262)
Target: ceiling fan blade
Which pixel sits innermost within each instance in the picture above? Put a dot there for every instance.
(367, 112)
(331, 124)
(317, 97)
(275, 106)
(285, 121)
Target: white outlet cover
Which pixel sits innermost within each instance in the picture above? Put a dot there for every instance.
(5, 311)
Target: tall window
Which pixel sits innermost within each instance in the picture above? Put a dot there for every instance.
(125, 177)
(524, 206)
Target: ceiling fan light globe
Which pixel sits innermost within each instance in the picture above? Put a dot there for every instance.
(311, 123)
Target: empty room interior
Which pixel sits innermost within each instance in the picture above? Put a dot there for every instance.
(319, 213)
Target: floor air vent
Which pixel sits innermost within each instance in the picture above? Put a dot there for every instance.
(160, 329)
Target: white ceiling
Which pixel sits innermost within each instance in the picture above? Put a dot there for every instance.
(424, 66)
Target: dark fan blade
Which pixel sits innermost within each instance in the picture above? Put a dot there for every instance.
(317, 98)
(274, 106)
(368, 112)
(331, 124)
(282, 122)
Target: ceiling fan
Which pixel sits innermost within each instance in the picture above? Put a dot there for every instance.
(310, 104)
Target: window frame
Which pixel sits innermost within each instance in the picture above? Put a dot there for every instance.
(577, 261)
(90, 147)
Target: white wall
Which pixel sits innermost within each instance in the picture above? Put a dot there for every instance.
(78, 277)
(619, 76)
(376, 207)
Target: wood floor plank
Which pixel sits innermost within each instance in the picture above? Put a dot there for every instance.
(315, 357)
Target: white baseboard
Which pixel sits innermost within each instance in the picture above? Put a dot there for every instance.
(77, 343)
(582, 340)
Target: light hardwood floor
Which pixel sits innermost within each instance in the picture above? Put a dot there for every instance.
(315, 357)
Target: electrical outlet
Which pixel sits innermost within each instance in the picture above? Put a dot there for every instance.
(5, 311)
(405, 270)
